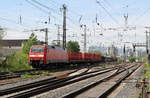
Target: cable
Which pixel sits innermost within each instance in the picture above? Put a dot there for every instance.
(108, 4)
(46, 7)
(71, 11)
(140, 16)
(14, 22)
(41, 9)
(108, 13)
(37, 6)
(53, 10)
(43, 5)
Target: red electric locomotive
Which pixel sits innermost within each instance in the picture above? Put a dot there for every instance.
(44, 54)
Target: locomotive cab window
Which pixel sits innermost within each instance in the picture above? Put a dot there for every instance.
(37, 49)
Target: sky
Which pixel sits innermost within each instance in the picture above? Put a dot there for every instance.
(108, 13)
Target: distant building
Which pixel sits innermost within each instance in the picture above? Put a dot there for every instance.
(112, 51)
(11, 46)
(96, 48)
(14, 44)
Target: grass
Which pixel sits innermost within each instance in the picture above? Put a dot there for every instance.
(28, 75)
(25, 76)
(101, 66)
(46, 73)
(147, 74)
(140, 95)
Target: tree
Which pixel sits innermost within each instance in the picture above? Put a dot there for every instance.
(73, 46)
(32, 41)
(19, 60)
(132, 59)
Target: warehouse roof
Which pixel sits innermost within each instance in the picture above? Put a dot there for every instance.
(17, 42)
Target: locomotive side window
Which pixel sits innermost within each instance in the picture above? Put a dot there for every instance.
(37, 49)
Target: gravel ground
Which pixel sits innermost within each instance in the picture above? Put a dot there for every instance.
(26, 81)
(101, 88)
(9, 83)
(127, 89)
(59, 92)
(18, 82)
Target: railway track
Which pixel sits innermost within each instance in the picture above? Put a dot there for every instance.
(16, 74)
(103, 87)
(32, 89)
(39, 87)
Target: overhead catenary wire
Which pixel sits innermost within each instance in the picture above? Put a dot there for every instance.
(39, 8)
(46, 7)
(140, 16)
(108, 13)
(70, 11)
(14, 22)
(108, 4)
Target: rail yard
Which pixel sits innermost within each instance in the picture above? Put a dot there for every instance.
(74, 49)
(82, 83)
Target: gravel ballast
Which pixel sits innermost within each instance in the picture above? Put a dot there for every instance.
(127, 89)
(59, 92)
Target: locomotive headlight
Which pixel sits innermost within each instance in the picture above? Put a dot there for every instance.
(36, 55)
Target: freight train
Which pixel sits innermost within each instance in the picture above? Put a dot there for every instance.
(46, 55)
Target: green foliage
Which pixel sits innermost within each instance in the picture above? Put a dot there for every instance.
(103, 66)
(46, 73)
(29, 76)
(140, 95)
(120, 60)
(132, 59)
(73, 46)
(96, 52)
(147, 68)
(144, 60)
(148, 88)
(32, 41)
(19, 60)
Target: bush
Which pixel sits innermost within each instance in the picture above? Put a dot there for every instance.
(120, 60)
(17, 61)
(147, 68)
(132, 59)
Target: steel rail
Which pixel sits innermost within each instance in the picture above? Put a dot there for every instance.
(57, 84)
(75, 93)
(109, 91)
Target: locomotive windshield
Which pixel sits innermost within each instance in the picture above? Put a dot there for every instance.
(37, 49)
